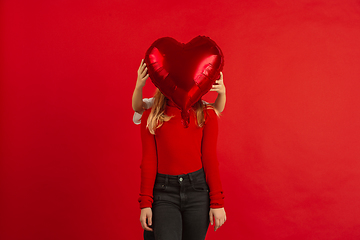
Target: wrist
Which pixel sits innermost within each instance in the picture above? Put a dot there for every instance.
(222, 93)
(138, 87)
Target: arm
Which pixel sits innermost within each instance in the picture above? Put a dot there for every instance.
(148, 164)
(137, 103)
(211, 167)
(220, 101)
(209, 158)
(148, 173)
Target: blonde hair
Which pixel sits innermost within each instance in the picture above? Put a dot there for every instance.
(157, 115)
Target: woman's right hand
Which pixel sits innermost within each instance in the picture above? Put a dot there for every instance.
(142, 75)
(146, 214)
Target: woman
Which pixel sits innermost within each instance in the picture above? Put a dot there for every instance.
(180, 184)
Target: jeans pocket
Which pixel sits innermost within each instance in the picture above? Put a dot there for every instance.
(200, 187)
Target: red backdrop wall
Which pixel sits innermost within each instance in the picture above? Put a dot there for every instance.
(289, 136)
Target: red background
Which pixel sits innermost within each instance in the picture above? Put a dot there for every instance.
(289, 136)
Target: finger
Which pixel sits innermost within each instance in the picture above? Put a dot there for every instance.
(211, 219)
(142, 61)
(217, 223)
(142, 67)
(143, 73)
(141, 64)
(222, 222)
(221, 75)
(215, 88)
(220, 82)
(146, 77)
(149, 219)
(147, 228)
(145, 225)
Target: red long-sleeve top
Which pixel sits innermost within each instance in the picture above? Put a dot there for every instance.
(176, 150)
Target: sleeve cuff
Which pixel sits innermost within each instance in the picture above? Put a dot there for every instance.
(137, 118)
(216, 200)
(145, 201)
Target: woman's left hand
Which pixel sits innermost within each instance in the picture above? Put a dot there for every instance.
(219, 87)
(217, 215)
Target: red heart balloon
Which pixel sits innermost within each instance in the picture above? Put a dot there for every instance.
(184, 72)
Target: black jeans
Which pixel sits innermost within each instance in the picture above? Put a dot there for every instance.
(181, 206)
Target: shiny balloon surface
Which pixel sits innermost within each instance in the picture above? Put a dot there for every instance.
(184, 72)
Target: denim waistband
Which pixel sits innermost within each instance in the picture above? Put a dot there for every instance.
(197, 176)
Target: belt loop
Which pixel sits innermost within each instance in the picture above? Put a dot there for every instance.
(166, 180)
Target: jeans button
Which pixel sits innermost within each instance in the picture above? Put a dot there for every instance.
(180, 179)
